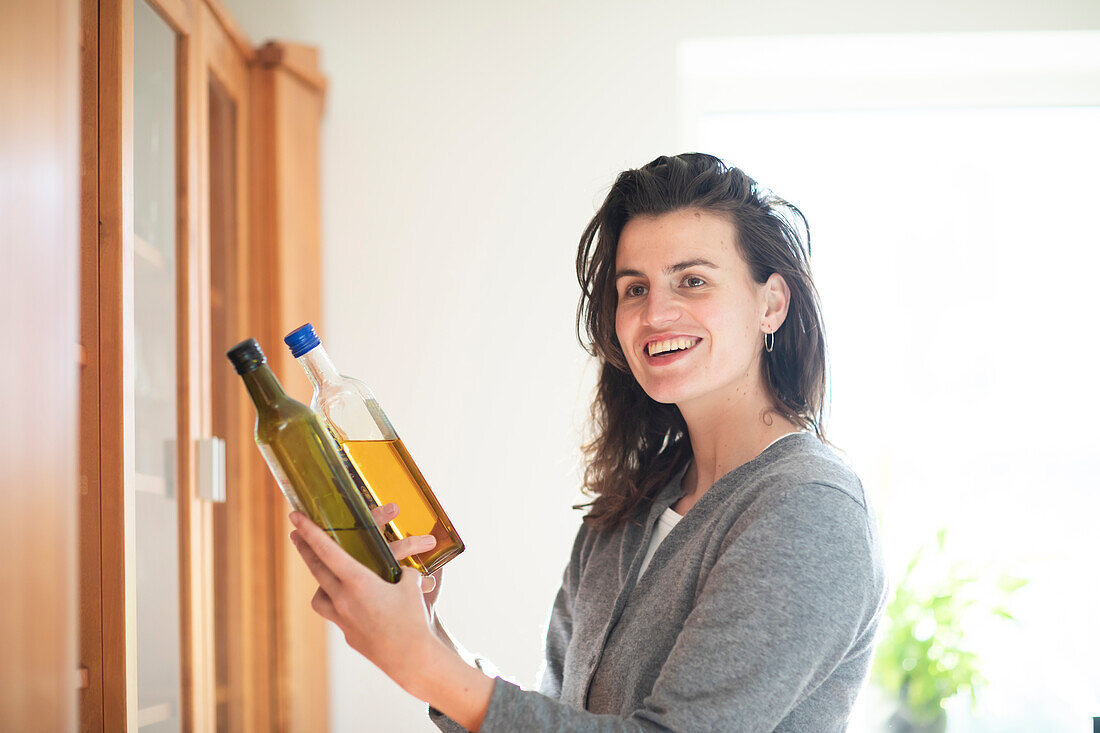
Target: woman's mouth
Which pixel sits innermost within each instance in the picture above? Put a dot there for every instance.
(669, 350)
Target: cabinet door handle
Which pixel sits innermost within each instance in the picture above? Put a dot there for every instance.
(211, 469)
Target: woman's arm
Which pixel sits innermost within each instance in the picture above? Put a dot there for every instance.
(444, 635)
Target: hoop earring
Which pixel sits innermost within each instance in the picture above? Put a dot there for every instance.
(769, 342)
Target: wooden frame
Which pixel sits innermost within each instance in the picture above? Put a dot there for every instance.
(114, 251)
(91, 635)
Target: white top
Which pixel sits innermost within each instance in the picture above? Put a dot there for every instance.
(665, 523)
(669, 519)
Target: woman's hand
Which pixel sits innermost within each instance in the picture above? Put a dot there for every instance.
(385, 622)
(388, 624)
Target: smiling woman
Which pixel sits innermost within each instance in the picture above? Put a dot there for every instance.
(728, 574)
(679, 247)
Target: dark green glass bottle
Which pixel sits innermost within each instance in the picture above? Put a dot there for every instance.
(307, 466)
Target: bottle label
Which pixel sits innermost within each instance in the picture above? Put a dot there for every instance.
(281, 478)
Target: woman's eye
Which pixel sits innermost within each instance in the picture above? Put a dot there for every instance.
(634, 291)
(694, 282)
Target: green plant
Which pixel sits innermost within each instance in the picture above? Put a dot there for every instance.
(923, 657)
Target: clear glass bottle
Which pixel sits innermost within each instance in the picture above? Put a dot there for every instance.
(308, 466)
(375, 453)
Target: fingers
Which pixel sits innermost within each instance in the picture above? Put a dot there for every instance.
(412, 545)
(384, 514)
(427, 585)
(324, 577)
(323, 605)
(341, 564)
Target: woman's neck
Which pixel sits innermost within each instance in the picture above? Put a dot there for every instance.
(729, 432)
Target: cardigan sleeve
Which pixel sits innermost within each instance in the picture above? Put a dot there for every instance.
(785, 600)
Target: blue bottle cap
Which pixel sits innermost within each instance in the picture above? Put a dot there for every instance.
(302, 340)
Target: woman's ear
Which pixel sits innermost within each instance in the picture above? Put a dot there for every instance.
(777, 299)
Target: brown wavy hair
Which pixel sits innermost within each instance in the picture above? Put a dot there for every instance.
(638, 444)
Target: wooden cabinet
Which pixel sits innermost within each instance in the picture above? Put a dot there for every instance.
(200, 227)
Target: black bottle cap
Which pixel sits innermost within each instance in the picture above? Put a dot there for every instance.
(246, 356)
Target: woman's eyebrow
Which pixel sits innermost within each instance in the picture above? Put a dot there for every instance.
(671, 269)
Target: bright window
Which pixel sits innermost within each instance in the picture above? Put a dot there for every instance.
(957, 250)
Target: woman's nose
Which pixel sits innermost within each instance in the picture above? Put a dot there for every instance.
(661, 307)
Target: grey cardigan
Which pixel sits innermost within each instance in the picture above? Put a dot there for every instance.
(757, 612)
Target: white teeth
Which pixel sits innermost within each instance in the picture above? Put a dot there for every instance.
(676, 344)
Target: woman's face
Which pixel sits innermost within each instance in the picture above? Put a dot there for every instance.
(689, 317)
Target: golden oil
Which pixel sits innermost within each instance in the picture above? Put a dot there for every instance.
(391, 475)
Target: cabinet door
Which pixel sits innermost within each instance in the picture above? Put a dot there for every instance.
(146, 603)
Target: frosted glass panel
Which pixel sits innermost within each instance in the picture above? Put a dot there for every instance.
(155, 373)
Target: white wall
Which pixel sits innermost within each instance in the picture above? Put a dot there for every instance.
(465, 147)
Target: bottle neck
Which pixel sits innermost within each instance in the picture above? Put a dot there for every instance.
(263, 387)
(319, 368)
